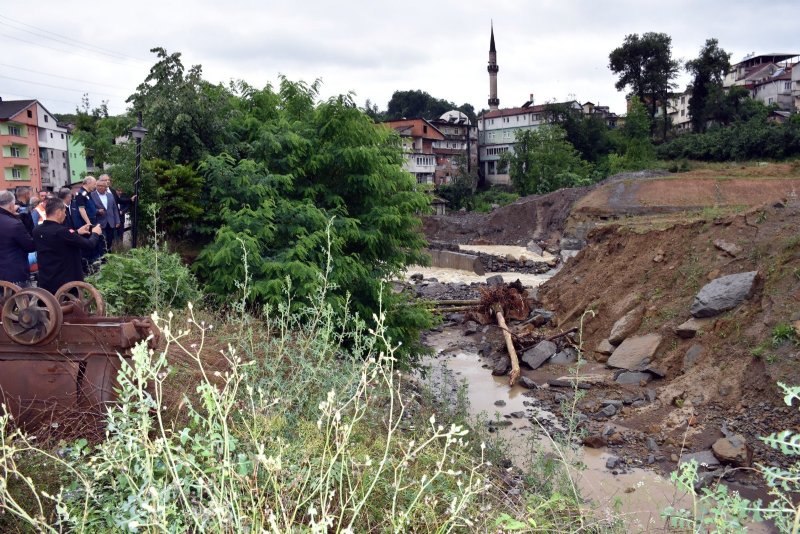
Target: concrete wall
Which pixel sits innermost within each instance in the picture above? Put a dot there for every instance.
(456, 260)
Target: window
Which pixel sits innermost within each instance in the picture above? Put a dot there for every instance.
(51, 133)
(54, 173)
(46, 119)
(683, 100)
(456, 131)
(14, 130)
(15, 153)
(683, 112)
(51, 152)
(16, 174)
(424, 129)
(30, 114)
(62, 136)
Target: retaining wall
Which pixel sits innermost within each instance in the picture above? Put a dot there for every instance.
(456, 260)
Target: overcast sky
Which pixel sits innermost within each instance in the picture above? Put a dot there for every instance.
(555, 49)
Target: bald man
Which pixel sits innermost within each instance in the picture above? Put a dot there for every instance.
(85, 211)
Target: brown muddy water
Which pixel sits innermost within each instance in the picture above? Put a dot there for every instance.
(638, 496)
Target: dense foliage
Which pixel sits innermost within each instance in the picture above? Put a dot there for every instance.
(753, 139)
(416, 103)
(708, 71)
(645, 65)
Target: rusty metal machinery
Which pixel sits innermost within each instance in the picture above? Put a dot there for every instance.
(60, 354)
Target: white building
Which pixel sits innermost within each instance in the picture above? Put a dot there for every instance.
(53, 153)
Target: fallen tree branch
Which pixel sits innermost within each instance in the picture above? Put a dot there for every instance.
(515, 372)
(562, 334)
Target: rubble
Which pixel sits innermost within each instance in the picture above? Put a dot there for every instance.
(723, 294)
(635, 352)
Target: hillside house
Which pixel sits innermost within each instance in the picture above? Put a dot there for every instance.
(418, 136)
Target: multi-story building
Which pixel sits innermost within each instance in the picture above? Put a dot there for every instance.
(418, 136)
(458, 150)
(53, 156)
(77, 159)
(678, 111)
(796, 86)
(19, 159)
(603, 112)
(767, 76)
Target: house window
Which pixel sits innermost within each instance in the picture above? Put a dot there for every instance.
(15, 153)
(14, 130)
(51, 133)
(16, 174)
(62, 136)
(46, 120)
(683, 112)
(683, 100)
(30, 114)
(424, 129)
(54, 173)
(51, 152)
(456, 131)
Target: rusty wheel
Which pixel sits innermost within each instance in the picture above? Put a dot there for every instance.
(83, 296)
(32, 317)
(6, 290)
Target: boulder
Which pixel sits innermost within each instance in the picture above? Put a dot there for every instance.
(633, 352)
(691, 357)
(612, 462)
(501, 365)
(594, 441)
(690, 328)
(567, 255)
(495, 280)
(626, 326)
(609, 410)
(539, 354)
(533, 247)
(565, 357)
(633, 377)
(723, 294)
(733, 450)
(605, 347)
(725, 246)
(571, 243)
(527, 383)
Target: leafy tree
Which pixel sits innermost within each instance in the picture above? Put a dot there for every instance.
(645, 65)
(416, 103)
(588, 134)
(736, 105)
(460, 192)
(316, 169)
(178, 189)
(543, 161)
(372, 111)
(708, 71)
(635, 138)
(185, 115)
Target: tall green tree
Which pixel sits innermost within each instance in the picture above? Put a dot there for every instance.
(311, 163)
(708, 70)
(588, 134)
(646, 67)
(543, 161)
(186, 116)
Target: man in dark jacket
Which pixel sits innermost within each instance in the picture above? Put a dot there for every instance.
(15, 243)
(65, 194)
(23, 194)
(59, 248)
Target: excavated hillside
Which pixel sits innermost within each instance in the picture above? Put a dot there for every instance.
(724, 378)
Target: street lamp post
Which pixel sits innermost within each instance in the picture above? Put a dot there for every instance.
(138, 132)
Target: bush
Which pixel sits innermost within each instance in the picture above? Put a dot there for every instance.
(145, 279)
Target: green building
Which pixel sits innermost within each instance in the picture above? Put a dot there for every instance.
(77, 159)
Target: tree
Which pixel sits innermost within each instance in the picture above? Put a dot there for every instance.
(708, 71)
(543, 161)
(186, 116)
(639, 151)
(315, 169)
(418, 103)
(461, 191)
(645, 66)
(588, 134)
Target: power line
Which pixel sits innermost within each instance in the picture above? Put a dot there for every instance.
(61, 88)
(70, 41)
(96, 58)
(28, 97)
(63, 77)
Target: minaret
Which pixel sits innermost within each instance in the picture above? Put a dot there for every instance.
(494, 102)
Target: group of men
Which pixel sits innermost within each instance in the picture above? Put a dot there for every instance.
(68, 231)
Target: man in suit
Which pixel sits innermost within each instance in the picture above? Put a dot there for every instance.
(15, 243)
(59, 248)
(108, 216)
(65, 195)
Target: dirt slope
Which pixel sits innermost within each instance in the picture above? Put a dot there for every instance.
(734, 380)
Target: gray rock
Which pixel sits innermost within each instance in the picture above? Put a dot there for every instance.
(723, 294)
(731, 248)
(495, 280)
(605, 348)
(526, 382)
(565, 357)
(652, 445)
(417, 277)
(539, 354)
(502, 365)
(499, 403)
(470, 328)
(633, 377)
(651, 394)
(533, 247)
(567, 255)
(690, 328)
(691, 357)
(499, 424)
(633, 352)
(626, 326)
(612, 462)
(517, 415)
(704, 458)
(612, 402)
(609, 410)
(546, 314)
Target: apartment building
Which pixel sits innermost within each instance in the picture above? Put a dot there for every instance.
(53, 154)
(459, 149)
(768, 77)
(418, 136)
(19, 158)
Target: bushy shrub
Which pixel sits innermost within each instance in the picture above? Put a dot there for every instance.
(143, 280)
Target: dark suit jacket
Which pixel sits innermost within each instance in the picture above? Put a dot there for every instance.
(110, 218)
(58, 251)
(15, 243)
